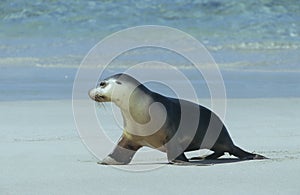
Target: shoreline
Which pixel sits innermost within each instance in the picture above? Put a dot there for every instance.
(57, 83)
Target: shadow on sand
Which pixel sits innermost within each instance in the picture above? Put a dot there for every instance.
(216, 161)
(194, 162)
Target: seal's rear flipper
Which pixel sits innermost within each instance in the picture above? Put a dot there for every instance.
(256, 157)
(243, 155)
(212, 156)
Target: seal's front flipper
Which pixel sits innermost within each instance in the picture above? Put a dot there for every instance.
(122, 154)
(110, 161)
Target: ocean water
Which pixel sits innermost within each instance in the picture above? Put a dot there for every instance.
(255, 43)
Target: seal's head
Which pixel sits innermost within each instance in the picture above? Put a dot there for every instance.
(116, 88)
(102, 92)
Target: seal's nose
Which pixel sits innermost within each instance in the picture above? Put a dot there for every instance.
(92, 93)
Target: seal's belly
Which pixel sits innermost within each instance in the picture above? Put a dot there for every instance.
(156, 140)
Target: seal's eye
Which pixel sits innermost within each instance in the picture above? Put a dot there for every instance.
(118, 82)
(102, 84)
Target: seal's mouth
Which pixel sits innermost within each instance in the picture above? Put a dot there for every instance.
(99, 98)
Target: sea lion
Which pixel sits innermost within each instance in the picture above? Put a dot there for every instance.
(153, 120)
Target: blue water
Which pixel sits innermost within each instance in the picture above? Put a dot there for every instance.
(255, 43)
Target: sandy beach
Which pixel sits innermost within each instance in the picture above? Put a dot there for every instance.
(44, 45)
(41, 153)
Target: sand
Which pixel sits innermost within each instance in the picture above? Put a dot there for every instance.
(41, 153)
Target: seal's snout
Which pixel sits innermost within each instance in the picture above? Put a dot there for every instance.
(92, 93)
(96, 95)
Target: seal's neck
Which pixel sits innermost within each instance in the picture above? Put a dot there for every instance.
(133, 98)
(135, 106)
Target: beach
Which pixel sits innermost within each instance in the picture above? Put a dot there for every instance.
(41, 153)
(252, 47)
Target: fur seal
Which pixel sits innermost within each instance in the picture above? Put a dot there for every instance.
(135, 102)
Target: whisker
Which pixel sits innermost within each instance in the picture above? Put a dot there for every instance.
(101, 105)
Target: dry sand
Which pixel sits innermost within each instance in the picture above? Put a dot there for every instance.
(41, 153)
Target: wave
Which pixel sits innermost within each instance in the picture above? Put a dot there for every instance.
(256, 46)
(56, 34)
(74, 63)
(217, 19)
